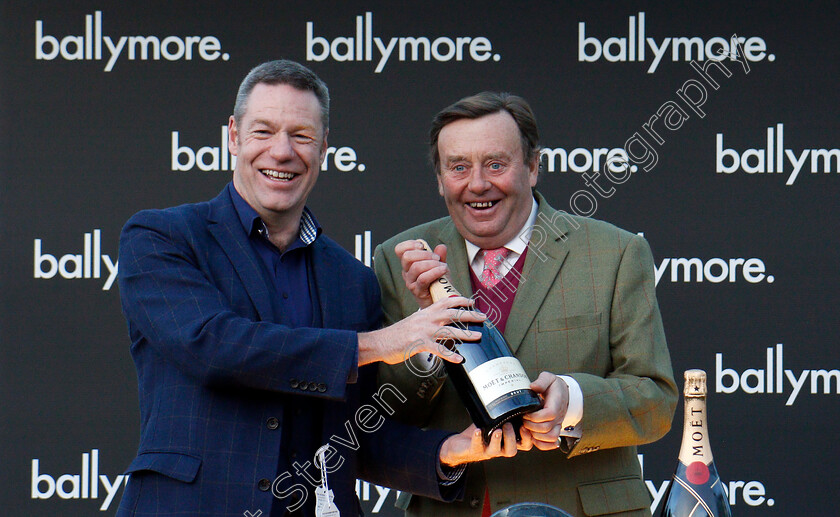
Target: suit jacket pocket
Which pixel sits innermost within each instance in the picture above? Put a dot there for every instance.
(568, 322)
(614, 496)
(182, 467)
(574, 343)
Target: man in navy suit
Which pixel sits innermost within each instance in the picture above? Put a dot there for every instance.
(250, 330)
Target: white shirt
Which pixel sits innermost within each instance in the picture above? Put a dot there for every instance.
(517, 247)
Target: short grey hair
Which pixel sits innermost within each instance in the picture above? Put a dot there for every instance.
(283, 71)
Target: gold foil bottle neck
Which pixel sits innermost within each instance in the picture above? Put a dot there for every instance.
(695, 383)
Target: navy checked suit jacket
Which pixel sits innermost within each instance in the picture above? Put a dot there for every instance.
(215, 373)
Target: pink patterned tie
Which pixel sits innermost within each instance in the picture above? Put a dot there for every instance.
(492, 264)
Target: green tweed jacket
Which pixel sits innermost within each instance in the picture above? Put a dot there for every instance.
(585, 307)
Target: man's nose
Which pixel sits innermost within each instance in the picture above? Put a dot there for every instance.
(478, 181)
(281, 147)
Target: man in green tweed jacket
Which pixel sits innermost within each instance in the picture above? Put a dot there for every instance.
(575, 299)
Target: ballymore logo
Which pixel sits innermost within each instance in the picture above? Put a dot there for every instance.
(636, 46)
(90, 263)
(714, 270)
(94, 45)
(85, 484)
(772, 377)
(774, 158)
(581, 159)
(363, 45)
(219, 158)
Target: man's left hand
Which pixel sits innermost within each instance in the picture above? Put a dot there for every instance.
(546, 424)
(469, 446)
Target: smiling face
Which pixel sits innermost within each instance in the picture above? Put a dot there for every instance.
(279, 145)
(484, 179)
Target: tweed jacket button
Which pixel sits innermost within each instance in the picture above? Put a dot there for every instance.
(264, 485)
(303, 385)
(272, 423)
(294, 383)
(322, 387)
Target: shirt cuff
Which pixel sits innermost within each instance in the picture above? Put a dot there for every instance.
(448, 476)
(574, 413)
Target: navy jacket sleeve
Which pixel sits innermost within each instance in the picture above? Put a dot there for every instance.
(395, 454)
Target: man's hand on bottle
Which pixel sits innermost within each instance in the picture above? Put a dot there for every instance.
(420, 268)
(546, 424)
(421, 332)
(469, 446)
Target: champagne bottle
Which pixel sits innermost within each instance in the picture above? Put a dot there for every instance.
(696, 489)
(491, 382)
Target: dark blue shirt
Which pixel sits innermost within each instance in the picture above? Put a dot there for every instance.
(295, 303)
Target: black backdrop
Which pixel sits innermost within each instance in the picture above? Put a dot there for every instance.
(747, 257)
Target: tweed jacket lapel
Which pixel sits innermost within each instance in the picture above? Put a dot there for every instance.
(546, 254)
(226, 228)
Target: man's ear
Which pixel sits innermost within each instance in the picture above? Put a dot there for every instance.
(324, 147)
(440, 185)
(233, 136)
(534, 169)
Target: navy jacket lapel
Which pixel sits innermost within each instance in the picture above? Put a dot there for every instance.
(328, 282)
(226, 228)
